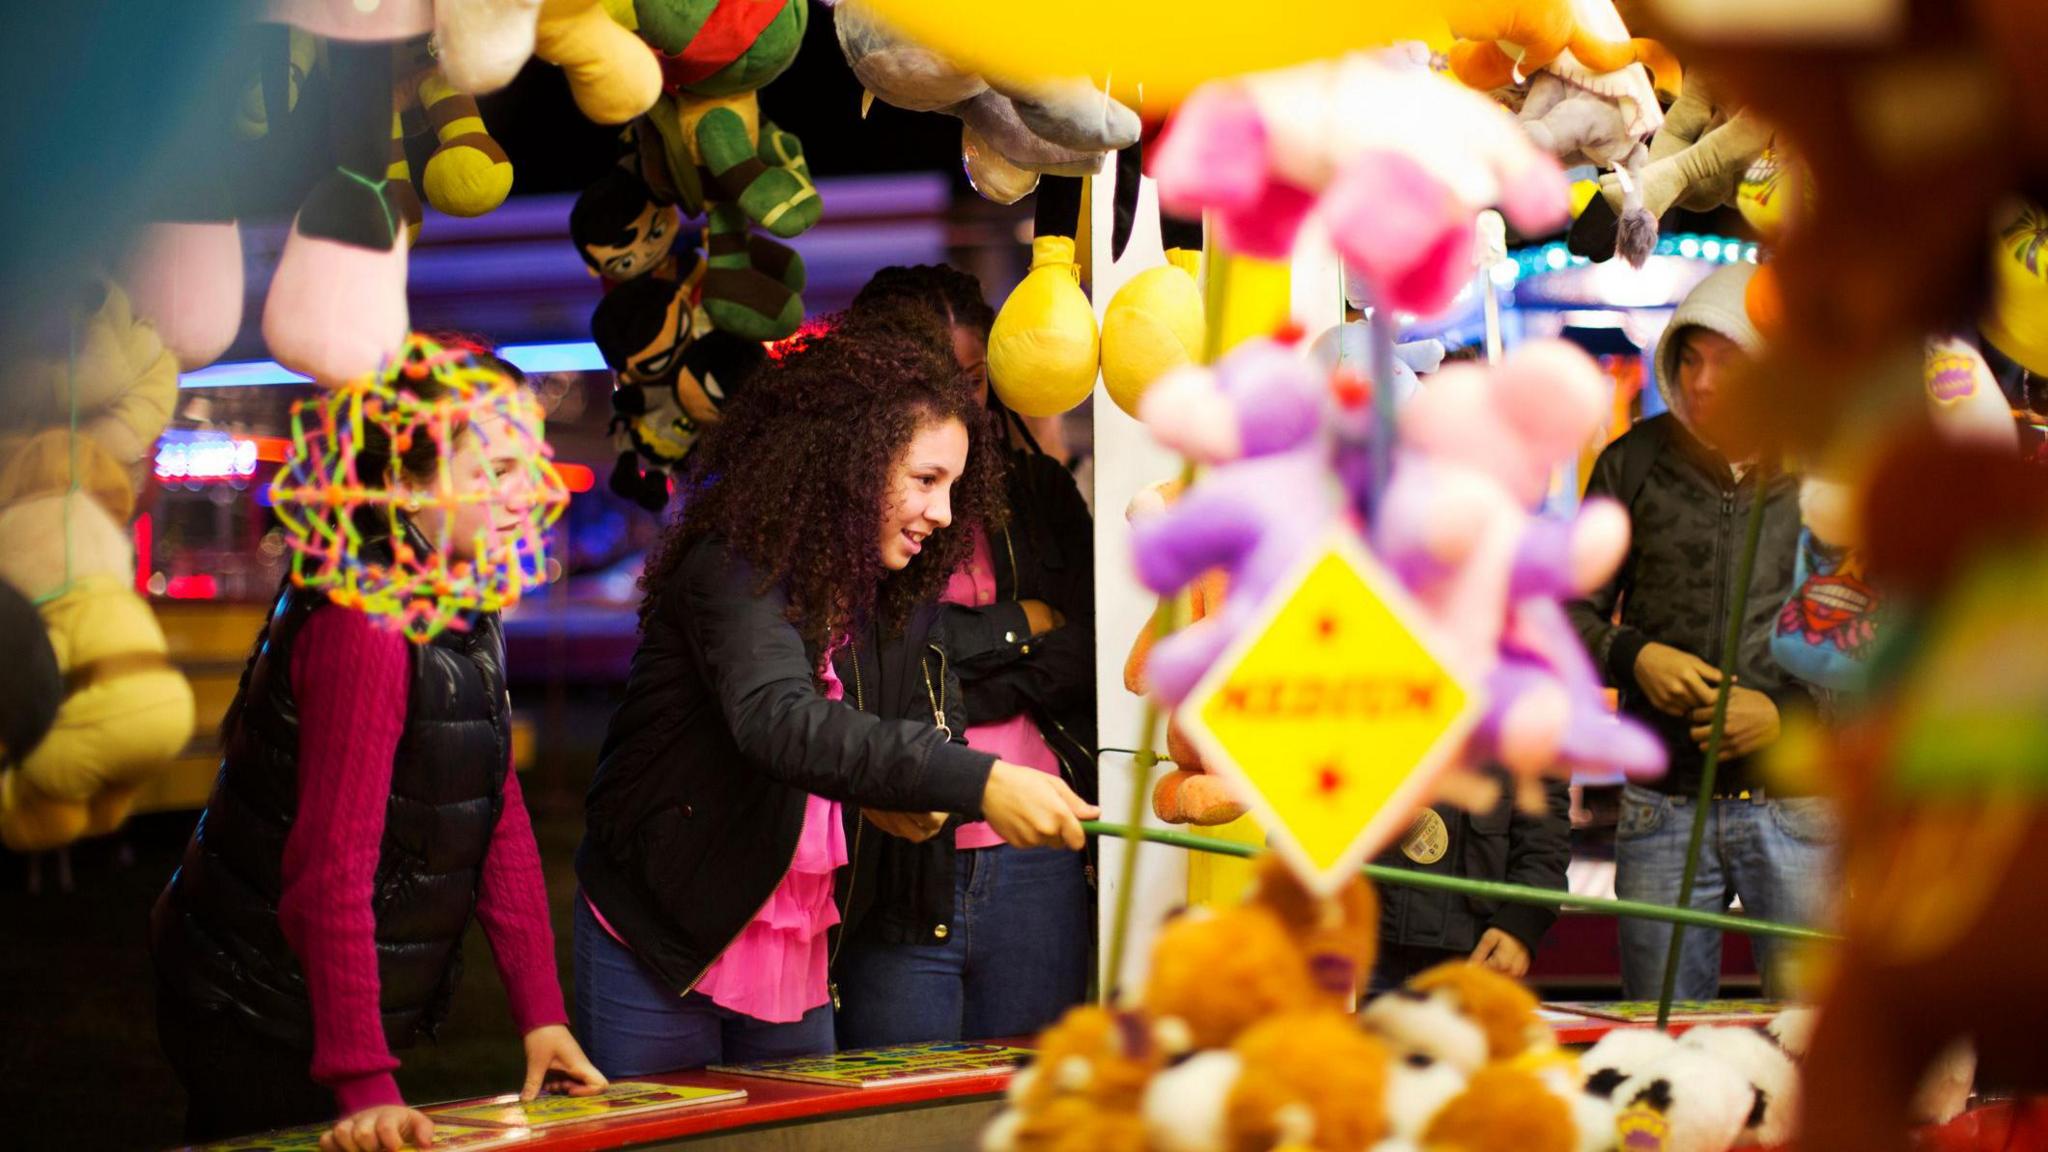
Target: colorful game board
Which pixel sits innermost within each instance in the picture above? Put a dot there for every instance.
(890, 1067)
(625, 1098)
(1682, 1011)
(307, 1139)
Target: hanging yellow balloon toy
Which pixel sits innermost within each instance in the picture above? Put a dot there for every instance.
(422, 544)
(1148, 53)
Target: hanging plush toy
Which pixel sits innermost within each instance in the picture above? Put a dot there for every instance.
(1396, 160)
(1154, 324)
(336, 305)
(1012, 133)
(1261, 420)
(1458, 525)
(728, 163)
(1829, 628)
(1697, 161)
(324, 500)
(671, 374)
(1044, 349)
(468, 174)
(623, 232)
(75, 431)
(1589, 100)
(1188, 793)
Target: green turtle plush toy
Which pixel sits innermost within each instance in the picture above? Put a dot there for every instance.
(724, 160)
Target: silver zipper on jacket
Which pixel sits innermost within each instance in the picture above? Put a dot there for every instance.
(853, 858)
(937, 695)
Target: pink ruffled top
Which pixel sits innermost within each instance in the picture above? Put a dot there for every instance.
(776, 969)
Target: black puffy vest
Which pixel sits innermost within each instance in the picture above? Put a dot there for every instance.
(215, 931)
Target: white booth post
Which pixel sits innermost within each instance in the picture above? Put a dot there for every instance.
(1127, 460)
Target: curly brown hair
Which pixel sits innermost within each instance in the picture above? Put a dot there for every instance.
(793, 476)
(940, 288)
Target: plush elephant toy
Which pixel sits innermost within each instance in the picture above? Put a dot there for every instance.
(1589, 98)
(1696, 161)
(1011, 132)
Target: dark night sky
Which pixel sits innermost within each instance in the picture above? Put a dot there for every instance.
(553, 149)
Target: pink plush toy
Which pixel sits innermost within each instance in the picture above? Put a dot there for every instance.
(1477, 451)
(1262, 420)
(1396, 160)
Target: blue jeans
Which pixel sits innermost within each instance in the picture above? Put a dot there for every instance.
(1014, 958)
(632, 1024)
(1774, 855)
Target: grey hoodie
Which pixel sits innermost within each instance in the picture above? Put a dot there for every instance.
(1717, 304)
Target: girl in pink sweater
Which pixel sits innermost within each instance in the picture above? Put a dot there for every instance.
(364, 813)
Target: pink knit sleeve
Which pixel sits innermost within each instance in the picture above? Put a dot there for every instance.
(513, 908)
(349, 679)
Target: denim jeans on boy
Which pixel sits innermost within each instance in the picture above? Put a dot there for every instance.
(632, 1024)
(1774, 854)
(1014, 957)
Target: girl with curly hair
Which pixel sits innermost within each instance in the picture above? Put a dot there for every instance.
(821, 519)
(966, 937)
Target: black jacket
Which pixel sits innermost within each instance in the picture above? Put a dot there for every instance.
(1505, 844)
(699, 798)
(215, 934)
(1047, 553)
(1677, 586)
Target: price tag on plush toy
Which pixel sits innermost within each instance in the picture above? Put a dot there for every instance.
(1335, 712)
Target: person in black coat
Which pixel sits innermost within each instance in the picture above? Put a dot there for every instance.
(963, 936)
(833, 498)
(1423, 927)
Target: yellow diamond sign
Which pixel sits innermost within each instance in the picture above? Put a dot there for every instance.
(1335, 712)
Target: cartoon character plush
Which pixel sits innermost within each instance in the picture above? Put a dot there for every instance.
(1187, 793)
(2017, 321)
(1590, 100)
(671, 373)
(1044, 349)
(1397, 190)
(724, 160)
(468, 174)
(1155, 322)
(623, 232)
(1772, 1077)
(1012, 132)
(1829, 628)
(1697, 160)
(1477, 450)
(1261, 419)
(1688, 1100)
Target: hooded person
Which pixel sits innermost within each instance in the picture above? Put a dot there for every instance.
(1689, 503)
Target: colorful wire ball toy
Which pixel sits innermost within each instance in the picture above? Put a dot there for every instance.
(494, 489)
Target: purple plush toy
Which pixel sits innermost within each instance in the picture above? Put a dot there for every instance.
(1262, 420)
(1477, 450)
